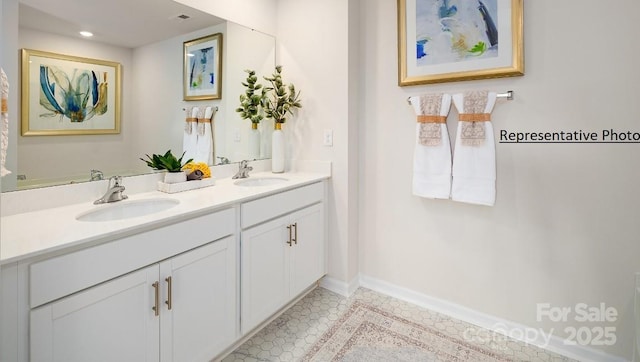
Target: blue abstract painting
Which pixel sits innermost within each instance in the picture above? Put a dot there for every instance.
(202, 69)
(78, 95)
(455, 30)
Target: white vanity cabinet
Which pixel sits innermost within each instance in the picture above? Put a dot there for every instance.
(182, 308)
(110, 322)
(185, 287)
(201, 321)
(282, 251)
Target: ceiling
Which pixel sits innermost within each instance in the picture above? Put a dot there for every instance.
(126, 23)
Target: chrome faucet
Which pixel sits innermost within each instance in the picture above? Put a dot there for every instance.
(224, 161)
(96, 175)
(114, 193)
(243, 170)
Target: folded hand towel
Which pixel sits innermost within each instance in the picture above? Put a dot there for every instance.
(204, 149)
(4, 139)
(190, 140)
(474, 162)
(432, 153)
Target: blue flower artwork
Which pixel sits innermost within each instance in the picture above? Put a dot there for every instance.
(455, 30)
(78, 95)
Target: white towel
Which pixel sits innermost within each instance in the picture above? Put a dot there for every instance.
(432, 153)
(190, 140)
(204, 150)
(4, 140)
(474, 161)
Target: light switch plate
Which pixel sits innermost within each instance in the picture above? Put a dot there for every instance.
(327, 138)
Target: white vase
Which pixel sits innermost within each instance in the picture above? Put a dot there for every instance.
(254, 142)
(175, 177)
(277, 150)
(265, 142)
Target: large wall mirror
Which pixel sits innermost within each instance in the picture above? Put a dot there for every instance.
(146, 37)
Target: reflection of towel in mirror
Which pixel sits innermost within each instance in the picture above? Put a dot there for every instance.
(432, 153)
(4, 140)
(474, 163)
(204, 151)
(190, 140)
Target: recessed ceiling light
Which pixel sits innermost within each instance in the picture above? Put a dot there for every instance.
(86, 33)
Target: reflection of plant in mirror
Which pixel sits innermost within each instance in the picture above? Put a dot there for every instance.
(251, 101)
(167, 162)
(281, 98)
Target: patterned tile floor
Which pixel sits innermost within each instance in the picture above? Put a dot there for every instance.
(289, 336)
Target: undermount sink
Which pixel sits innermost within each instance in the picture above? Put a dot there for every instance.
(261, 181)
(127, 209)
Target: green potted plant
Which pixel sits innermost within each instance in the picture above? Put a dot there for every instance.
(281, 100)
(251, 103)
(170, 163)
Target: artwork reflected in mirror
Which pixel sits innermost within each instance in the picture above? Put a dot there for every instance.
(64, 94)
(202, 68)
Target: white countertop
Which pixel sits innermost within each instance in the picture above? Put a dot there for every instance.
(36, 233)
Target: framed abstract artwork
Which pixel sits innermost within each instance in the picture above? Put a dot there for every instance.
(454, 40)
(202, 75)
(69, 95)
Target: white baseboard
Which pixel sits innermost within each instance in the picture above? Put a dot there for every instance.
(555, 344)
(340, 287)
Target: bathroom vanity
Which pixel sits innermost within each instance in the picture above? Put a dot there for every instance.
(185, 283)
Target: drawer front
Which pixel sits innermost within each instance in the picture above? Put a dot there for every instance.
(266, 208)
(66, 274)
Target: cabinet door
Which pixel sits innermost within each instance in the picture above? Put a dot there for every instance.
(113, 321)
(307, 253)
(264, 272)
(201, 320)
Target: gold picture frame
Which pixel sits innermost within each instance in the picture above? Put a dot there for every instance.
(436, 44)
(202, 68)
(69, 95)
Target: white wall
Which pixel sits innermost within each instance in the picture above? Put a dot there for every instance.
(565, 225)
(256, 14)
(314, 49)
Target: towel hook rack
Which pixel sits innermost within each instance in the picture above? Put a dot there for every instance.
(508, 95)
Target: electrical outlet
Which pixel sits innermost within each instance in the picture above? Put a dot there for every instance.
(236, 135)
(327, 138)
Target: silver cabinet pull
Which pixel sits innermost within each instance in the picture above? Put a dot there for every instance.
(169, 298)
(295, 233)
(290, 239)
(156, 307)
